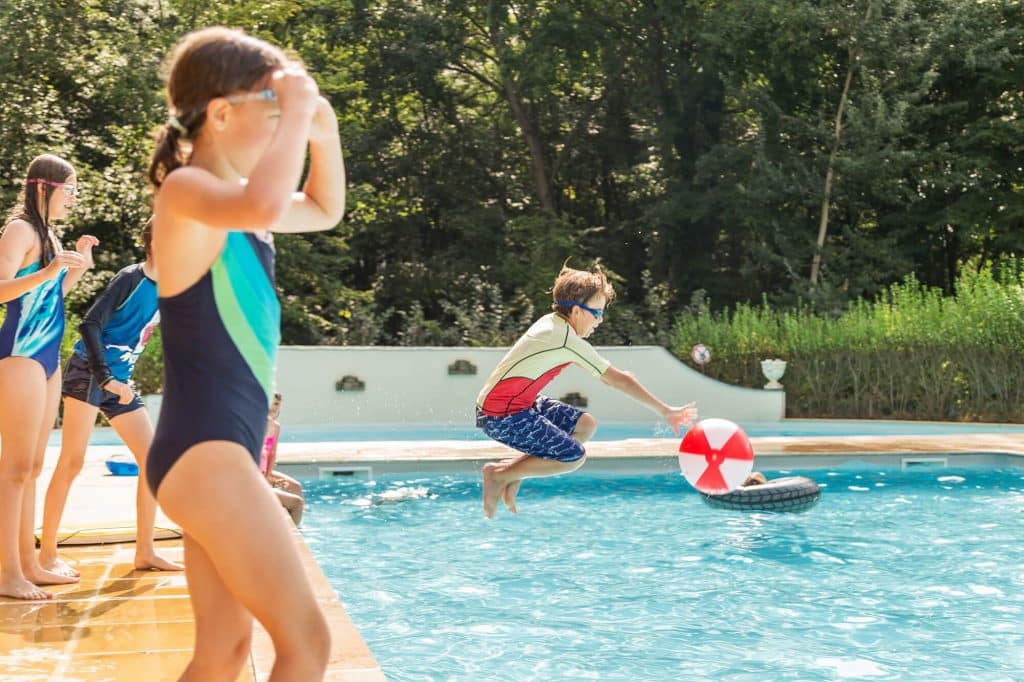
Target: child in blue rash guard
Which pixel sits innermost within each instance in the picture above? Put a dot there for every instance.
(97, 378)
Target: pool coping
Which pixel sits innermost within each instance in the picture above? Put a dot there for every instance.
(322, 460)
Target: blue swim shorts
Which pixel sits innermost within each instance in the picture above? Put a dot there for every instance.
(544, 430)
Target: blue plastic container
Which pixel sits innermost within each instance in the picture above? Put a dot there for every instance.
(120, 465)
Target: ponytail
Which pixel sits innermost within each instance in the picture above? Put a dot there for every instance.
(212, 62)
(167, 156)
(146, 237)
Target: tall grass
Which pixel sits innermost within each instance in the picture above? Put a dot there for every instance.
(912, 353)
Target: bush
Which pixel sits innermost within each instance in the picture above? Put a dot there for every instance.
(912, 353)
(149, 370)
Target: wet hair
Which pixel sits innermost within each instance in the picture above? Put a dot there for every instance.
(209, 63)
(580, 285)
(146, 237)
(33, 203)
(755, 478)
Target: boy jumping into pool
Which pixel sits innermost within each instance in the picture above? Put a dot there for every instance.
(550, 433)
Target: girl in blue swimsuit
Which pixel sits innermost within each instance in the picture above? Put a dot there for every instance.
(35, 275)
(226, 168)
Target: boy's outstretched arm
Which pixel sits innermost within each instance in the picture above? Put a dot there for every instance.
(631, 386)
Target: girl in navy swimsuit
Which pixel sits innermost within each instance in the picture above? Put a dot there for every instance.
(226, 167)
(35, 275)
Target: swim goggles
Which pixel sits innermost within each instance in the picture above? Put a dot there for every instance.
(598, 313)
(69, 189)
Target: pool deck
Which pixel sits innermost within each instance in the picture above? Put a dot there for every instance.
(122, 624)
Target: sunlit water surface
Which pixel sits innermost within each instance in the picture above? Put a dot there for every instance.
(891, 576)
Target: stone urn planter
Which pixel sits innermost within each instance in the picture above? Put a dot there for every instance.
(773, 371)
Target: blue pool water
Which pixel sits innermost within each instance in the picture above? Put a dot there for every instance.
(891, 576)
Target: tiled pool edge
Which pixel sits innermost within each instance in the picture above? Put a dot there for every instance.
(648, 454)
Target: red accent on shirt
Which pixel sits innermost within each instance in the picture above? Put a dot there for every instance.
(516, 394)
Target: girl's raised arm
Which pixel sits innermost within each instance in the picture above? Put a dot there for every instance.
(321, 203)
(197, 194)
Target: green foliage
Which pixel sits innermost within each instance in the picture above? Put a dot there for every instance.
(910, 353)
(71, 322)
(986, 312)
(685, 145)
(149, 370)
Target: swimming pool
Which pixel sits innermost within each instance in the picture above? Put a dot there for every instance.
(894, 575)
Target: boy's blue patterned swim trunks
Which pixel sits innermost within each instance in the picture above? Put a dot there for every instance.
(544, 430)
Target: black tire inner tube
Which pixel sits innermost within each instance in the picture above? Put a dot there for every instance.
(789, 494)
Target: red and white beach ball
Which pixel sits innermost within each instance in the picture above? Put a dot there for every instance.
(700, 354)
(715, 456)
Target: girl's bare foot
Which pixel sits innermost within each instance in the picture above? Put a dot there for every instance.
(20, 588)
(508, 495)
(492, 489)
(40, 576)
(57, 565)
(155, 562)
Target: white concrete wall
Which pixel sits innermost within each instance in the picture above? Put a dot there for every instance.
(406, 384)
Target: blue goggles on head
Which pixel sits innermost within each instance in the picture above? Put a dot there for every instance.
(598, 313)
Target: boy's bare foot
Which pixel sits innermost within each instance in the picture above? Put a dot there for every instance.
(40, 576)
(20, 588)
(492, 489)
(59, 566)
(155, 562)
(508, 495)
